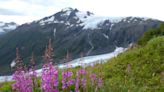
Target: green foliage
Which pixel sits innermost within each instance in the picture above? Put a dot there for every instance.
(138, 69)
(151, 34)
(5, 87)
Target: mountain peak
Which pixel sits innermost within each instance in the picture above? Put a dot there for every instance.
(67, 9)
(86, 19)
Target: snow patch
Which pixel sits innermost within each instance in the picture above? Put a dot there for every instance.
(61, 21)
(71, 25)
(49, 20)
(145, 18)
(67, 9)
(90, 60)
(54, 31)
(111, 26)
(2, 24)
(135, 20)
(11, 27)
(1, 30)
(106, 36)
(67, 23)
(5, 78)
(131, 19)
(67, 13)
(124, 20)
(128, 21)
(55, 21)
(82, 15)
(13, 63)
(6, 27)
(92, 21)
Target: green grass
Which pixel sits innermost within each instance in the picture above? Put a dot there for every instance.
(5, 87)
(136, 70)
(139, 69)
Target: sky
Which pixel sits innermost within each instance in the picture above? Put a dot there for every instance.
(22, 11)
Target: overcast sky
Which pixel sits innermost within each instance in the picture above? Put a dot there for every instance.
(22, 11)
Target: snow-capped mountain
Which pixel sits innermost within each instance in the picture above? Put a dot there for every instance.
(6, 27)
(74, 31)
(73, 17)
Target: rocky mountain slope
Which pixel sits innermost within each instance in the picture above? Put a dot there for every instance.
(72, 31)
(7, 27)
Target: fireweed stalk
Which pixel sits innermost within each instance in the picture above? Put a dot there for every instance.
(93, 78)
(23, 81)
(97, 80)
(49, 78)
(33, 73)
(49, 72)
(94, 81)
(67, 81)
(81, 80)
(100, 79)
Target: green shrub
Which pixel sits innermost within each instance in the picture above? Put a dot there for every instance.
(151, 34)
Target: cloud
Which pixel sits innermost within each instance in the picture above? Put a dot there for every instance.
(18, 19)
(35, 9)
(40, 2)
(9, 12)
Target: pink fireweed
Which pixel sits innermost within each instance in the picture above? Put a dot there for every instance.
(83, 82)
(80, 79)
(100, 82)
(93, 78)
(96, 81)
(26, 80)
(66, 79)
(82, 72)
(49, 78)
(77, 84)
(33, 75)
(22, 78)
(23, 82)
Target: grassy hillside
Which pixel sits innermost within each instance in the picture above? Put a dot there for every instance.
(136, 70)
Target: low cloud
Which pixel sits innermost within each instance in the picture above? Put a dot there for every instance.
(9, 12)
(40, 2)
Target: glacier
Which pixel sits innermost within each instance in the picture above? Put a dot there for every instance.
(83, 62)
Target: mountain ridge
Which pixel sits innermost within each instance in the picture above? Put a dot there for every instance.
(70, 32)
(7, 27)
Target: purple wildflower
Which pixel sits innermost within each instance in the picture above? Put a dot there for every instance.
(80, 79)
(100, 82)
(93, 78)
(23, 82)
(66, 79)
(49, 78)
